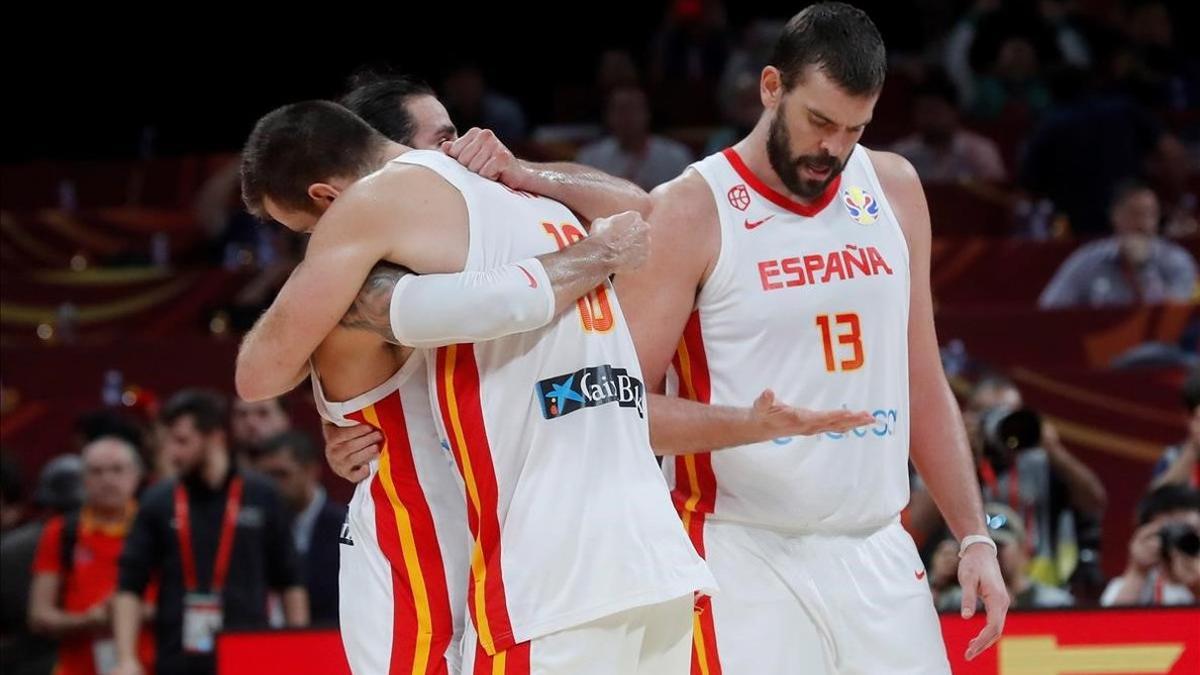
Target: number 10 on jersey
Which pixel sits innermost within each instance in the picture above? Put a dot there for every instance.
(848, 331)
(595, 310)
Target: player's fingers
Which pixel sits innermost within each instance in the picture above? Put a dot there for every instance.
(986, 638)
(970, 590)
(460, 143)
(362, 455)
(356, 473)
(469, 153)
(490, 169)
(486, 154)
(765, 400)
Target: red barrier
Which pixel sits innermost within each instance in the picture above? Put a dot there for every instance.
(1107, 641)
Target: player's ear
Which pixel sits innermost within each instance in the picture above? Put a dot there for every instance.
(770, 87)
(322, 195)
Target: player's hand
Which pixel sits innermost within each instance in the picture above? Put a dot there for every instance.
(979, 576)
(776, 420)
(482, 152)
(627, 237)
(349, 450)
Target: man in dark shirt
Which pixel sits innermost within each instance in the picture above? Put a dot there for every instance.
(294, 463)
(217, 539)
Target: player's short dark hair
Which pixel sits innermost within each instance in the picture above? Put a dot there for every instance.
(300, 144)
(380, 99)
(839, 39)
(208, 409)
(295, 443)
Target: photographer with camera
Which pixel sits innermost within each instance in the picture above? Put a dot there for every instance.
(1164, 553)
(1008, 531)
(1023, 463)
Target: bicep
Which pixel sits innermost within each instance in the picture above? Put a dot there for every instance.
(658, 298)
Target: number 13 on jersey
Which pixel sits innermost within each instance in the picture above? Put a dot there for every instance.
(595, 310)
(848, 331)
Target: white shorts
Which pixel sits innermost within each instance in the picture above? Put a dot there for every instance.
(816, 604)
(650, 640)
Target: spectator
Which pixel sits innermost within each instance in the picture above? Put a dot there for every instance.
(1039, 483)
(472, 104)
(941, 150)
(1084, 147)
(631, 151)
(253, 423)
(1013, 84)
(75, 570)
(743, 107)
(216, 537)
(58, 491)
(1180, 464)
(1008, 531)
(294, 463)
(992, 50)
(1164, 553)
(1134, 266)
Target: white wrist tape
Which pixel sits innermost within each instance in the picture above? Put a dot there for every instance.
(434, 310)
(975, 539)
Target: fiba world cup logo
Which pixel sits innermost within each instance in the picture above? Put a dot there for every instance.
(861, 205)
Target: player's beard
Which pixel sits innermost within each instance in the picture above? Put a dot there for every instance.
(788, 167)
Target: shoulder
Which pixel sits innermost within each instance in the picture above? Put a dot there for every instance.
(896, 174)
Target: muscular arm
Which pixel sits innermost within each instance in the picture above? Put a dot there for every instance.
(358, 231)
(939, 443)
(938, 439)
(588, 192)
(440, 309)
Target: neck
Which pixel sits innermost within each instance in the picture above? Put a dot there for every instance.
(753, 151)
(108, 515)
(216, 468)
(391, 150)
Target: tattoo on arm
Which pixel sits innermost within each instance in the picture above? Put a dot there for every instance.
(371, 310)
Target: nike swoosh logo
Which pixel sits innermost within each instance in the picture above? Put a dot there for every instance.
(532, 282)
(920, 575)
(751, 224)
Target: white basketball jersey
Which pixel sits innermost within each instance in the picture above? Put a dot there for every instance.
(405, 545)
(810, 301)
(570, 515)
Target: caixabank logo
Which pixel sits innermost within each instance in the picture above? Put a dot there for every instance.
(588, 388)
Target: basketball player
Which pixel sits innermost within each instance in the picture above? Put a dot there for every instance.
(594, 576)
(799, 260)
(408, 112)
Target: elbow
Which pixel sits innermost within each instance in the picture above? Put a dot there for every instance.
(254, 380)
(252, 384)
